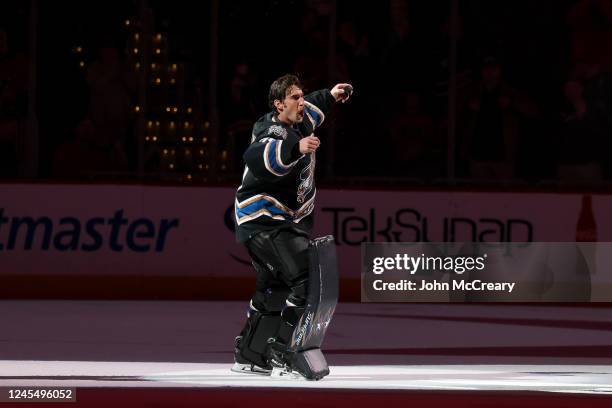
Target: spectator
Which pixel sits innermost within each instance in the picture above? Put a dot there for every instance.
(402, 65)
(353, 47)
(580, 139)
(110, 101)
(411, 137)
(86, 155)
(311, 64)
(465, 73)
(491, 126)
(239, 114)
(591, 25)
(242, 88)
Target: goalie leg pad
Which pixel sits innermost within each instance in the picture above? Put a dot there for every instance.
(322, 296)
(263, 322)
(307, 322)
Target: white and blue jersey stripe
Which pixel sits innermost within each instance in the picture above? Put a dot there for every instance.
(265, 205)
(315, 115)
(273, 159)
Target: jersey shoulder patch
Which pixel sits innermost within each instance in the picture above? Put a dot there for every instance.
(277, 130)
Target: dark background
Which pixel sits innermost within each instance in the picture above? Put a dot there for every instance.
(159, 91)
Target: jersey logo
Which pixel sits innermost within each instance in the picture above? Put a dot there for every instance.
(277, 131)
(306, 180)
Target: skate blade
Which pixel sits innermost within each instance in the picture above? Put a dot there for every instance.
(284, 374)
(249, 369)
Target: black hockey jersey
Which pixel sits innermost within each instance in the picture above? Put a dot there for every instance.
(278, 187)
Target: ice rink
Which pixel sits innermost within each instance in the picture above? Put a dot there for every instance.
(148, 352)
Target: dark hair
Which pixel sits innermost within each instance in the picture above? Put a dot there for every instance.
(279, 88)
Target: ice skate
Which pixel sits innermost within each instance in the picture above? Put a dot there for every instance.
(242, 365)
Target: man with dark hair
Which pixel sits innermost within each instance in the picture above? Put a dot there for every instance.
(273, 210)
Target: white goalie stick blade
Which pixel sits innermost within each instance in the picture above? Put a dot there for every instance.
(250, 369)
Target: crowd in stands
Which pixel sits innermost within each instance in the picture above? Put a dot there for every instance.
(533, 95)
(532, 87)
